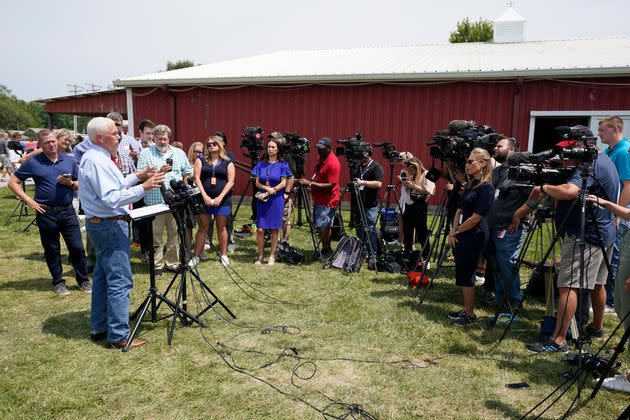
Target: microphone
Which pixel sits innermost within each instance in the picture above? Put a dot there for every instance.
(518, 158)
(167, 195)
(174, 184)
(382, 143)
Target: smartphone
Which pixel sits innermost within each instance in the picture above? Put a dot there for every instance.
(518, 385)
(67, 175)
(169, 161)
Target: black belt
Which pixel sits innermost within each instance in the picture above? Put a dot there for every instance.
(108, 219)
(57, 208)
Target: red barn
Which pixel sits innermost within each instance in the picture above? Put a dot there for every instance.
(398, 94)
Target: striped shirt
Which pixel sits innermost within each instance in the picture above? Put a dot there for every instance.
(151, 156)
(124, 148)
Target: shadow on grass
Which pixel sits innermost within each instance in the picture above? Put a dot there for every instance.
(69, 325)
(503, 408)
(42, 283)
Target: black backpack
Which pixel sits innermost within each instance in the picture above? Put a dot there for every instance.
(348, 255)
(289, 255)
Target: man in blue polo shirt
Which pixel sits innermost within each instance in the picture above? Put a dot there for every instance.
(610, 132)
(55, 177)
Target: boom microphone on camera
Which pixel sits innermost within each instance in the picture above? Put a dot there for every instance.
(457, 126)
(518, 158)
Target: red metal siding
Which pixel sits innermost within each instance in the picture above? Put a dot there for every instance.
(92, 105)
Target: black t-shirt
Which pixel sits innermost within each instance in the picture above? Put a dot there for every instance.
(220, 172)
(507, 199)
(477, 200)
(372, 172)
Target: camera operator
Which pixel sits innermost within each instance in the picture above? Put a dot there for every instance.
(469, 234)
(604, 183)
(506, 231)
(325, 192)
(173, 163)
(369, 181)
(416, 189)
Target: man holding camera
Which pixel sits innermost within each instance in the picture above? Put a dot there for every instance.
(55, 175)
(174, 163)
(506, 229)
(325, 192)
(603, 182)
(369, 181)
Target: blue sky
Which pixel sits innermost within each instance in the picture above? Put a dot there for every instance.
(47, 45)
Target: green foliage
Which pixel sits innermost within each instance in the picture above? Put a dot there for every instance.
(16, 114)
(480, 31)
(179, 64)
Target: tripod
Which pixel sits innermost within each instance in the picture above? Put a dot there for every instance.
(387, 199)
(438, 247)
(154, 298)
(21, 210)
(251, 181)
(304, 198)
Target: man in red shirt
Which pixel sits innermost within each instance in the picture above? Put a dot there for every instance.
(325, 191)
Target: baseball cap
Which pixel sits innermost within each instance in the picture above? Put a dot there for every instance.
(324, 142)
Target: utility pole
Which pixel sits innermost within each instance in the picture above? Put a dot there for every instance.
(74, 89)
(92, 87)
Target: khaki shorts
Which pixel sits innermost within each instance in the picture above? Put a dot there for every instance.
(595, 271)
(288, 209)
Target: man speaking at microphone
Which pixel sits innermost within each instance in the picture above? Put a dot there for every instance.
(105, 195)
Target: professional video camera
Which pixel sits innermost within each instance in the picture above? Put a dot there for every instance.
(298, 147)
(252, 143)
(454, 145)
(389, 150)
(354, 149)
(531, 169)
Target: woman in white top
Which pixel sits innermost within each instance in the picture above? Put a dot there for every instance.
(416, 190)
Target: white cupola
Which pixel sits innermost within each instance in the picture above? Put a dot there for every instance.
(509, 27)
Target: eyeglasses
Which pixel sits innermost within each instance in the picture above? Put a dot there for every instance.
(470, 161)
(213, 144)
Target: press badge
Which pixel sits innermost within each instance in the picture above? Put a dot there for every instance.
(213, 181)
(501, 234)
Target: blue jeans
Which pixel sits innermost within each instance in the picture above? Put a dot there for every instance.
(111, 283)
(506, 251)
(614, 265)
(371, 214)
(65, 222)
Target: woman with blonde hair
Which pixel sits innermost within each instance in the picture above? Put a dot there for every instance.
(214, 175)
(195, 151)
(469, 235)
(416, 190)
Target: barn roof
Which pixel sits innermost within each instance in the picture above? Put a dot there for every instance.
(565, 58)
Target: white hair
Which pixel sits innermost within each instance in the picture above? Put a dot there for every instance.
(98, 125)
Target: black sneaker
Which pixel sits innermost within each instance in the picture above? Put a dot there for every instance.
(456, 315)
(590, 332)
(371, 266)
(98, 336)
(158, 272)
(86, 287)
(465, 320)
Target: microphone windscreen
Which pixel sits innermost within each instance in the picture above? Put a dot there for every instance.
(518, 158)
(457, 126)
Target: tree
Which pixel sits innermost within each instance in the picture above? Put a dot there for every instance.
(179, 64)
(14, 113)
(480, 31)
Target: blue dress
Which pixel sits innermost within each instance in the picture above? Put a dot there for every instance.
(269, 213)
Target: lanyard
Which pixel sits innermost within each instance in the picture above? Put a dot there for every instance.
(363, 171)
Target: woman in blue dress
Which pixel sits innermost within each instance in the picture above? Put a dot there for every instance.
(271, 176)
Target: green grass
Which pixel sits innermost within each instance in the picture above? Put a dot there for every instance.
(355, 335)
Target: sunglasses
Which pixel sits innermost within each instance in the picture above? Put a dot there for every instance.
(212, 144)
(470, 161)
(117, 124)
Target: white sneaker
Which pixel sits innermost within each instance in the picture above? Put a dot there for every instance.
(193, 262)
(617, 383)
(479, 280)
(207, 247)
(224, 260)
(609, 310)
(231, 247)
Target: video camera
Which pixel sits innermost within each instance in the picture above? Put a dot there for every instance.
(354, 149)
(531, 169)
(298, 147)
(252, 143)
(454, 145)
(389, 150)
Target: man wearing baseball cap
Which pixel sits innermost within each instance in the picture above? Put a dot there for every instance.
(325, 191)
